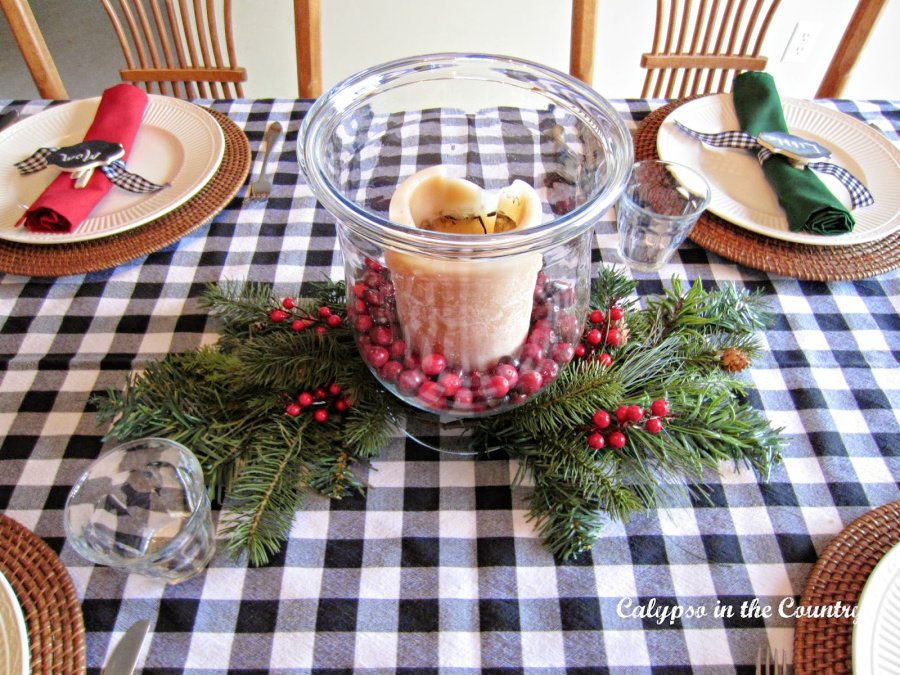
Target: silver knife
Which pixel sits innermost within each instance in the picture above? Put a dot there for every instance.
(125, 654)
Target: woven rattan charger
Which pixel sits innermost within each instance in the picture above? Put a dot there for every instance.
(824, 645)
(800, 261)
(54, 260)
(48, 599)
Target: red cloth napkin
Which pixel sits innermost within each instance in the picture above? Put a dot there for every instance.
(62, 207)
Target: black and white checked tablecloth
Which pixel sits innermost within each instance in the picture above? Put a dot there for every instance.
(436, 569)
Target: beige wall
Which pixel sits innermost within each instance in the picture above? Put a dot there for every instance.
(359, 33)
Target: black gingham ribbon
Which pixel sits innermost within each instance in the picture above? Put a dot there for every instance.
(859, 194)
(115, 171)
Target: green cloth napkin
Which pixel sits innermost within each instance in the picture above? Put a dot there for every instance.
(806, 200)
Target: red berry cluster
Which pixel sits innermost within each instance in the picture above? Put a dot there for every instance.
(434, 383)
(610, 430)
(320, 402)
(603, 331)
(300, 319)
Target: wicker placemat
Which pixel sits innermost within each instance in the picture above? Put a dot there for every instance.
(54, 260)
(800, 261)
(48, 599)
(824, 645)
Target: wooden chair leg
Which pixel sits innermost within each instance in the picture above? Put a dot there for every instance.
(34, 49)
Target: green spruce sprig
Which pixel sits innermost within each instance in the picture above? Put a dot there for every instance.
(228, 404)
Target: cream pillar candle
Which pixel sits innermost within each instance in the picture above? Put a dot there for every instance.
(472, 311)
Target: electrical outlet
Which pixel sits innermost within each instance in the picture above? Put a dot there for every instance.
(802, 41)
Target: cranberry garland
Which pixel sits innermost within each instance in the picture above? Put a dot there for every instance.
(430, 381)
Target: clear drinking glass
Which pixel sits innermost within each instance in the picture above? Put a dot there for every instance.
(143, 507)
(657, 211)
(465, 324)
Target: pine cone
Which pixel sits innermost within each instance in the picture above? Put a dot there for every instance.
(733, 360)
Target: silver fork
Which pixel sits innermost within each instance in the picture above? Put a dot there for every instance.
(262, 186)
(772, 662)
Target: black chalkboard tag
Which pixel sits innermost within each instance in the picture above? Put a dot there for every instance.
(800, 151)
(81, 159)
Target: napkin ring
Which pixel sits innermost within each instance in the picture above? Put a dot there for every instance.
(798, 151)
(81, 159)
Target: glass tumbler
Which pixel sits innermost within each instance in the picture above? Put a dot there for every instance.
(465, 323)
(142, 507)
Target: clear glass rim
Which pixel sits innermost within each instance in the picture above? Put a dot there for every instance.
(679, 172)
(321, 119)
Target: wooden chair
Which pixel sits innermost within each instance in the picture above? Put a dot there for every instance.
(173, 47)
(307, 29)
(33, 48)
(698, 51)
(851, 45)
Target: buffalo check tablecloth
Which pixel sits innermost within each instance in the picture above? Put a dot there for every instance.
(437, 569)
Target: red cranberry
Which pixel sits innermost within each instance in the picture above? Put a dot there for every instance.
(397, 349)
(613, 337)
(293, 409)
(463, 398)
(382, 335)
(569, 327)
(372, 279)
(580, 350)
(605, 359)
(497, 387)
(595, 440)
(594, 337)
(660, 407)
(449, 384)
(324, 311)
(334, 321)
(532, 352)
(622, 414)
(278, 315)
(321, 330)
(549, 369)
(390, 371)
(321, 415)
(359, 289)
(430, 393)
(433, 364)
(517, 397)
(334, 389)
(373, 297)
(288, 303)
(617, 439)
(412, 362)
(377, 356)
(601, 419)
(653, 425)
(305, 399)
(374, 265)
(360, 307)
(297, 325)
(364, 323)
(410, 380)
(616, 313)
(597, 316)
(635, 413)
(342, 405)
(563, 352)
(508, 372)
(530, 382)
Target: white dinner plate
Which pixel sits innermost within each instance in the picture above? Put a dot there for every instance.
(15, 658)
(178, 143)
(742, 196)
(875, 647)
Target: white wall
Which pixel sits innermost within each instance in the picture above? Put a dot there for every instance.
(357, 34)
